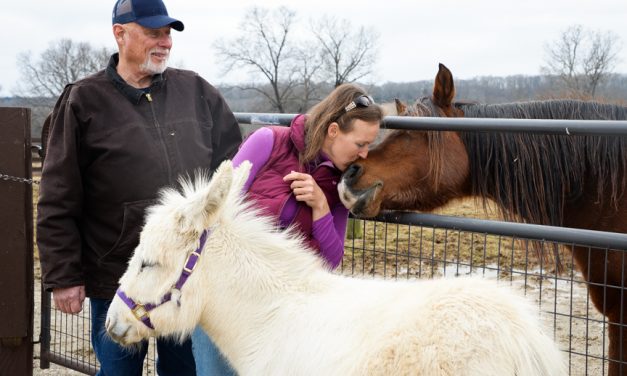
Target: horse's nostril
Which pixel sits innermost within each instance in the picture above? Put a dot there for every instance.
(352, 172)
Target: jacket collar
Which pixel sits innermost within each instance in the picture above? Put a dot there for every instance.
(297, 132)
(134, 95)
(297, 135)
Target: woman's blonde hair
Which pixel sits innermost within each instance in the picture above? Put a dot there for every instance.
(333, 109)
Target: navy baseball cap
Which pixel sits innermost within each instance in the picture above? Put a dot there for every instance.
(148, 13)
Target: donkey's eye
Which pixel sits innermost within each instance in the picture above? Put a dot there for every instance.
(147, 264)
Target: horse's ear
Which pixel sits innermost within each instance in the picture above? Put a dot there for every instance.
(400, 106)
(444, 88)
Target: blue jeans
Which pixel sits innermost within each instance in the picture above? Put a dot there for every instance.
(172, 358)
(209, 360)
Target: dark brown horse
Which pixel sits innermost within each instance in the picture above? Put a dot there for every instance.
(572, 181)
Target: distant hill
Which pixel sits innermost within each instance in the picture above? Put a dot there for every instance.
(486, 89)
(40, 107)
(10, 102)
(491, 90)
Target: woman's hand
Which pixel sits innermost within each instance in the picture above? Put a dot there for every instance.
(306, 189)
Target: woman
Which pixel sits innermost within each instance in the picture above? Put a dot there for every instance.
(294, 178)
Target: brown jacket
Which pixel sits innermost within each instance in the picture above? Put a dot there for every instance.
(111, 148)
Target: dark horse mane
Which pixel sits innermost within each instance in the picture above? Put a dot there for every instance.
(526, 174)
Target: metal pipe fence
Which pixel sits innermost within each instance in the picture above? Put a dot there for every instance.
(409, 245)
(555, 126)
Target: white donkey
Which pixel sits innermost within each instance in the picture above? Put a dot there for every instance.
(272, 307)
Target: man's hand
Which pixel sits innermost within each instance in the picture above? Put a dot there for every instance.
(69, 299)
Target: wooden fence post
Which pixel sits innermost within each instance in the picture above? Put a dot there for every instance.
(16, 243)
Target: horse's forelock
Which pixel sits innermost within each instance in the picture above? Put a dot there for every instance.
(424, 106)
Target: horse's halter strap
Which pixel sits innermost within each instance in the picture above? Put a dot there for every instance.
(141, 311)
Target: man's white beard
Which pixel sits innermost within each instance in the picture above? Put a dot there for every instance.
(151, 67)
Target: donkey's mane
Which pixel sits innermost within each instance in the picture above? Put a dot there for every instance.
(510, 168)
(256, 232)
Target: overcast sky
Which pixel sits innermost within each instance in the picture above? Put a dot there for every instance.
(473, 38)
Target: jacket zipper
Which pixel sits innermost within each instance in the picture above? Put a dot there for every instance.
(160, 133)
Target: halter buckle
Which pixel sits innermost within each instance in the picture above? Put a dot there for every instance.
(140, 312)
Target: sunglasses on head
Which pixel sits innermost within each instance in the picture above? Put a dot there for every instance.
(360, 101)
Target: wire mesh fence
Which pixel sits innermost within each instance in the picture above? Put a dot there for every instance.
(66, 340)
(380, 249)
(403, 251)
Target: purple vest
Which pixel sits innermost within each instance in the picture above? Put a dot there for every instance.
(270, 193)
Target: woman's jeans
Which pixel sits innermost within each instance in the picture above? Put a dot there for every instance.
(209, 360)
(172, 358)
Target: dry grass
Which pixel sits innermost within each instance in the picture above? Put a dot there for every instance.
(416, 249)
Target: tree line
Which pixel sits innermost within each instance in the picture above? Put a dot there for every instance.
(481, 89)
(291, 67)
(489, 90)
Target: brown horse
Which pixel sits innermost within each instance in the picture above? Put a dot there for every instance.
(572, 181)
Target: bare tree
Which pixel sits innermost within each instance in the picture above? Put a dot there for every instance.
(264, 47)
(308, 63)
(581, 59)
(63, 62)
(42, 80)
(348, 54)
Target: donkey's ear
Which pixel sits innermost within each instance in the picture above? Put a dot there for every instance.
(400, 106)
(203, 201)
(219, 187)
(240, 176)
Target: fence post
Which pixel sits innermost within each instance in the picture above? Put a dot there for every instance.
(16, 243)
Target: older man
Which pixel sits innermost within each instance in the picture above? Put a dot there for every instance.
(117, 137)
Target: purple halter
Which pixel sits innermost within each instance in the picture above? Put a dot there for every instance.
(141, 311)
